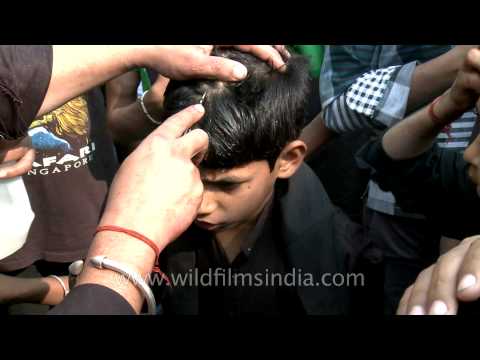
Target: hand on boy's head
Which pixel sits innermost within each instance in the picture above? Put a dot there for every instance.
(16, 157)
(273, 55)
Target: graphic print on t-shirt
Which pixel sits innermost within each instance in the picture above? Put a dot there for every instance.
(61, 139)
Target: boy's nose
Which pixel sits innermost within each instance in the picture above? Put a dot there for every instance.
(208, 204)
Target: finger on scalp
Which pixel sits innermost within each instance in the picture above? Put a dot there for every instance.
(194, 144)
(176, 125)
(266, 53)
(282, 49)
(219, 68)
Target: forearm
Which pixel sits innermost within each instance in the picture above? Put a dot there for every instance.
(77, 69)
(33, 290)
(417, 133)
(126, 118)
(129, 124)
(129, 251)
(316, 134)
(434, 77)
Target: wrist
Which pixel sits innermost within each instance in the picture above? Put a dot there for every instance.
(154, 103)
(149, 109)
(152, 228)
(134, 254)
(445, 110)
(142, 55)
(56, 293)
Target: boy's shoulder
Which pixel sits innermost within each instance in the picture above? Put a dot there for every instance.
(308, 217)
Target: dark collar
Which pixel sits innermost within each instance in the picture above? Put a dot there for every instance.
(313, 232)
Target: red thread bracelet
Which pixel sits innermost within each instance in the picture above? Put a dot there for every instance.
(140, 237)
(435, 119)
(132, 234)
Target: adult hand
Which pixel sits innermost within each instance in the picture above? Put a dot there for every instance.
(453, 278)
(16, 157)
(181, 62)
(157, 190)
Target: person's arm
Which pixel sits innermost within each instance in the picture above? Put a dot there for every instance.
(316, 134)
(45, 290)
(416, 134)
(427, 177)
(161, 207)
(77, 69)
(435, 183)
(125, 117)
(30, 90)
(400, 90)
(434, 77)
(452, 279)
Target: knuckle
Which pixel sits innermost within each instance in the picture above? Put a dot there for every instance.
(471, 56)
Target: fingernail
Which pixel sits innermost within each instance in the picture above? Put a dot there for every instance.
(3, 174)
(468, 281)
(240, 71)
(199, 108)
(417, 310)
(438, 308)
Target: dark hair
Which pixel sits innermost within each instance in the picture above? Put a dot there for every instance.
(249, 120)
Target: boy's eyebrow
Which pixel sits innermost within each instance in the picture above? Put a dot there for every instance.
(226, 179)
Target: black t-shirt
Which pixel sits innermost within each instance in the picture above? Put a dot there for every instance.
(25, 72)
(68, 184)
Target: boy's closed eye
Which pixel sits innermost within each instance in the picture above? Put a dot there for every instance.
(222, 185)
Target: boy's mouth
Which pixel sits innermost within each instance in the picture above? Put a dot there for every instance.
(206, 225)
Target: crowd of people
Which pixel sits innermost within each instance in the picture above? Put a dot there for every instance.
(239, 180)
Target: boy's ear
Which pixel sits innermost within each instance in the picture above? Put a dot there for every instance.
(290, 159)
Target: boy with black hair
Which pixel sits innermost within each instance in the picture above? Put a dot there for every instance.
(264, 215)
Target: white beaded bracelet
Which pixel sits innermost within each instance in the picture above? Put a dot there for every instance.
(145, 111)
(65, 290)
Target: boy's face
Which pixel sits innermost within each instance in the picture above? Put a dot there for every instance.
(235, 197)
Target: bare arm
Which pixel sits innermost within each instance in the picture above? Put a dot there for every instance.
(417, 132)
(162, 206)
(34, 290)
(126, 119)
(316, 134)
(434, 77)
(77, 69)
(425, 81)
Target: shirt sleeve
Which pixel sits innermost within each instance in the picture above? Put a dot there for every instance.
(377, 99)
(435, 183)
(91, 299)
(25, 72)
